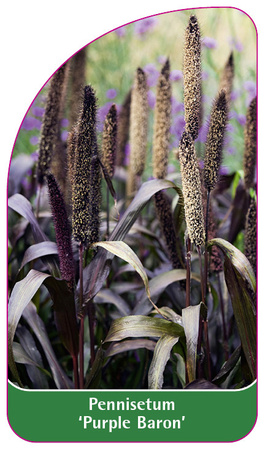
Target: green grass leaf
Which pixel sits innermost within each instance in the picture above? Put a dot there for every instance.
(22, 206)
(122, 250)
(20, 298)
(109, 296)
(97, 271)
(191, 321)
(60, 378)
(129, 344)
(157, 285)
(142, 326)
(39, 250)
(159, 361)
(21, 295)
(241, 284)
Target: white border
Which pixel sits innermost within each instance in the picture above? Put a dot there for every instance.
(36, 37)
(173, 391)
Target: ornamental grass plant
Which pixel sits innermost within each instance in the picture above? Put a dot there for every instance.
(132, 225)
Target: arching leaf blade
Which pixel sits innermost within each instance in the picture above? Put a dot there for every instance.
(241, 284)
(159, 361)
(142, 326)
(97, 271)
(191, 323)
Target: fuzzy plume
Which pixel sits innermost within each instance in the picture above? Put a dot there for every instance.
(251, 235)
(109, 141)
(216, 263)
(249, 160)
(77, 83)
(71, 149)
(162, 123)
(62, 231)
(227, 77)
(165, 217)
(70, 157)
(192, 77)
(138, 123)
(123, 129)
(86, 195)
(131, 185)
(51, 122)
(214, 141)
(191, 186)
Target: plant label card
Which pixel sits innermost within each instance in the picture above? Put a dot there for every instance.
(132, 238)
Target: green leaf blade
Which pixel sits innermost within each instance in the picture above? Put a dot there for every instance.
(191, 323)
(142, 326)
(159, 361)
(241, 284)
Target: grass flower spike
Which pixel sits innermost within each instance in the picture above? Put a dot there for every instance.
(62, 231)
(192, 77)
(191, 186)
(249, 161)
(214, 142)
(138, 123)
(165, 217)
(109, 141)
(77, 83)
(51, 123)
(251, 235)
(123, 129)
(227, 77)
(162, 123)
(86, 194)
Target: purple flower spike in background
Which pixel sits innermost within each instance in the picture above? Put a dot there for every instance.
(203, 132)
(151, 99)
(37, 111)
(102, 112)
(234, 95)
(162, 59)
(176, 75)
(121, 31)
(177, 107)
(209, 42)
(205, 75)
(35, 155)
(177, 127)
(64, 135)
(250, 87)
(152, 74)
(127, 154)
(31, 123)
(111, 93)
(144, 25)
(224, 170)
(34, 140)
(231, 150)
(241, 118)
(64, 123)
(236, 44)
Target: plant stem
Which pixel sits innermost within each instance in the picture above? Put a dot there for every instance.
(207, 215)
(107, 232)
(38, 201)
(81, 330)
(206, 240)
(75, 369)
(226, 347)
(206, 337)
(188, 270)
(203, 291)
(90, 309)
(204, 323)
